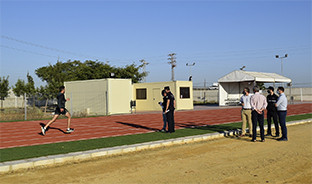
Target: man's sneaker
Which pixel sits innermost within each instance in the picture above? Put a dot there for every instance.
(43, 130)
(69, 130)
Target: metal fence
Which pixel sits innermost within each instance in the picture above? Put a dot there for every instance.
(94, 103)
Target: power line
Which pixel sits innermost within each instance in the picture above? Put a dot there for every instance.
(31, 52)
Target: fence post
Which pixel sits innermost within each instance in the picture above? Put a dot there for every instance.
(25, 106)
(301, 94)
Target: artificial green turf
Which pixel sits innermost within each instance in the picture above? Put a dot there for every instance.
(18, 153)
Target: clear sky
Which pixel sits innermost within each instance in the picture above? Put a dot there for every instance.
(219, 36)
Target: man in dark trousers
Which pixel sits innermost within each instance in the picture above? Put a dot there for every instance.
(60, 109)
(170, 107)
(272, 112)
(281, 105)
(163, 106)
(258, 104)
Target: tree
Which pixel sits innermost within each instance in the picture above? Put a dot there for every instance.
(20, 88)
(4, 89)
(55, 75)
(261, 85)
(44, 95)
(30, 86)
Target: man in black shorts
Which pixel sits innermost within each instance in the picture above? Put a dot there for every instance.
(60, 109)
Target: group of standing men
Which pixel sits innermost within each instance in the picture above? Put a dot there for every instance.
(253, 107)
(168, 106)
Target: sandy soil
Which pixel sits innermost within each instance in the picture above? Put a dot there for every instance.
(226, 160)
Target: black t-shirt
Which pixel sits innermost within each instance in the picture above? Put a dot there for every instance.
(171, 98)
(272, 99)
(61, 100)
(164, 104)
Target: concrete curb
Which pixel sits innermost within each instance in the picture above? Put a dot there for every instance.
(12, 166)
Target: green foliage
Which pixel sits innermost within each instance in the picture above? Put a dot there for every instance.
(55, 75)
(4, 87)
(261, 85)
(20, 88)
(30, 86)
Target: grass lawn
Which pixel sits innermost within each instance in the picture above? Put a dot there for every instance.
(18, 153)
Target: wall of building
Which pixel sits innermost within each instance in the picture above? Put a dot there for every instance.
(184, 103)
(88, 96)
(211, 96)
(13, 101)
(119, 96)
(153, 95)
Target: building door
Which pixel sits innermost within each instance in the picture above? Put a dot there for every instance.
(156, 98)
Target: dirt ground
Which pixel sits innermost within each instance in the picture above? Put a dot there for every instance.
(226, 160)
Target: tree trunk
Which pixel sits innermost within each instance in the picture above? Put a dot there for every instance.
(46, 105)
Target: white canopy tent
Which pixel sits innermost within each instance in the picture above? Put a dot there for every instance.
(232, 84)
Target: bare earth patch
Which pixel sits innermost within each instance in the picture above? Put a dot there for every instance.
(226, 160)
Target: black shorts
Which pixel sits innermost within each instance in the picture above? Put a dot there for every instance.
(58, 111)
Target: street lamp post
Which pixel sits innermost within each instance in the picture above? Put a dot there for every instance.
(281, 57)
(190, 65)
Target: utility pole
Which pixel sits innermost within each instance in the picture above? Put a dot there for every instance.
(144, 63)
(172, 62)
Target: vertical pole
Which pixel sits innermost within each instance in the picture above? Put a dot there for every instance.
(172, 73)
(282, 67)
(291, 99)
(106, 102)
(71, 103)
(172, 63)
(25, 106)
(301, 95)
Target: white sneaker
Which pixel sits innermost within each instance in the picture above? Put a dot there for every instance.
(69, 130)
(43, 130)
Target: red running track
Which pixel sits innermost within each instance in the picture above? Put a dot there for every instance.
(26, 133)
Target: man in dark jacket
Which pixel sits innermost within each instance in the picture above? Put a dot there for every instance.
(60, 109)
(163, 106)
(272, 111)
(170, 107)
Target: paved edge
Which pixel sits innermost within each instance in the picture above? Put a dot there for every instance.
(11, 166)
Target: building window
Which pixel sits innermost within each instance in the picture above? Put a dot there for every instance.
(141, 94)
(184, 92)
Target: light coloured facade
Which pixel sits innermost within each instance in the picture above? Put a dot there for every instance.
(114, 96)
(148, 95)
(99, 96)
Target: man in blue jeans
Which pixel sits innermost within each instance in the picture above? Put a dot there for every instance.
(281, 105)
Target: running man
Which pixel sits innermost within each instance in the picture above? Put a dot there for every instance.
(60, 109)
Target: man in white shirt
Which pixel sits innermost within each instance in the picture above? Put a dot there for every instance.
(246, 112)
(281, 105)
